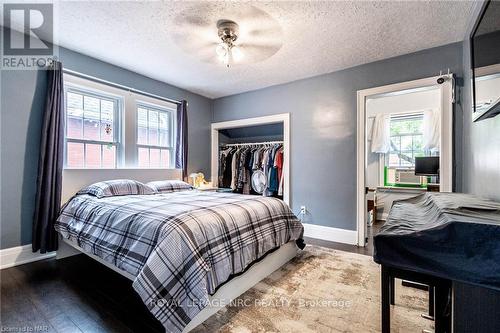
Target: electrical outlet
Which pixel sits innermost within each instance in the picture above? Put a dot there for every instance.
(303, 210)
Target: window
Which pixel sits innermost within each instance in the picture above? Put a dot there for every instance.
(406, 140)
(154, 136)
(91, 129)
(109, 127)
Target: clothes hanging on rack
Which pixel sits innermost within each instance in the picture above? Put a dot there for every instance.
(237, 163)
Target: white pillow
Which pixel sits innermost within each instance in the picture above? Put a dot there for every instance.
(116, 187)
(168, 186)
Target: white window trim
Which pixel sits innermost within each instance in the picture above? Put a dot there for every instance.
(117, 116)
(127, 121)
(171, 130)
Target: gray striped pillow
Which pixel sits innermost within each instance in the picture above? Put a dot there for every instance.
(168, 186)
(116, 187)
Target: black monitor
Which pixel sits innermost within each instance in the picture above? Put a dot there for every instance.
(427, 166)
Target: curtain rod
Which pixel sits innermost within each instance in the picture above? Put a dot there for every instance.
(251, 143)
(119, 86)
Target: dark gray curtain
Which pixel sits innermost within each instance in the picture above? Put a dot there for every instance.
(50, 164)
(181, 142)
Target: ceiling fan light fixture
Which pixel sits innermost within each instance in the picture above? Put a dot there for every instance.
(226, 50)
(237, 53)
(221, 50)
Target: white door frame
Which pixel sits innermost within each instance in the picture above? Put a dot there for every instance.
(446, 148)
(277, 118)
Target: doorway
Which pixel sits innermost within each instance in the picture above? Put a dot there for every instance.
(387, 109)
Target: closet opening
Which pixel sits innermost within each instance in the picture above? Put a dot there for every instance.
(251, 156)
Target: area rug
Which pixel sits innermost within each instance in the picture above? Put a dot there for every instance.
(321, 290)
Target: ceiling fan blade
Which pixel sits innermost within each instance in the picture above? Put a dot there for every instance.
(275, 44)
(267, 32)
(192, 41)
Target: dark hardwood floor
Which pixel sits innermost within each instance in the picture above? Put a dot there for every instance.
(77, 294)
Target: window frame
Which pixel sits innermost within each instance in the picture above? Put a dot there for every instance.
(71, 87)
(171, 130)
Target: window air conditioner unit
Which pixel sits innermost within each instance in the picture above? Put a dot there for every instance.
(407, 177)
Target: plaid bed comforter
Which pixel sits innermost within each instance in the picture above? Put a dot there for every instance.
(180, 246)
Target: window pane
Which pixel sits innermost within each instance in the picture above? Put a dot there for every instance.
(406, 158)
(418, 144)
(74, 115)
(164, 130)
(74, 104)
(74, 127)
(142, 117)
(107, 117)
(91, 118)
(74, 100)
(92, 156)
(153, 127)
(396, 142)
(91, 129)
(406, 143)
(74, 153)
(108, 156)
(393, 159)
(163, 120)
(164, 138)
(142, 135)
(165, 158)
(154, 158)
(142, 126)
(143, 157)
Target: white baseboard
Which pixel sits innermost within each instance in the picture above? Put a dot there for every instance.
(19, 255)
(331, 234)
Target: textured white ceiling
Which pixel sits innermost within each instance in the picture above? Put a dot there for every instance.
(318, 37)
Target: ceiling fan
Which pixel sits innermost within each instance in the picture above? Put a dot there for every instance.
(228, 33)
(226, 50)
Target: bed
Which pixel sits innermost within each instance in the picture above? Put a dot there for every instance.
(188, 253)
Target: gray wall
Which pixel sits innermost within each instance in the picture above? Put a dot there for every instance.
(481, 140)
(22, 102)
(476, 308)
(323, 126)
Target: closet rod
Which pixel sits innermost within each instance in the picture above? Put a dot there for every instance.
(250, 143)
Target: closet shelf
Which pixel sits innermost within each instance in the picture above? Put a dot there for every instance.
(251, 143)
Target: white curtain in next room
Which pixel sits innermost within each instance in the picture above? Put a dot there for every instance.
(431, 130)
(381, 140)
